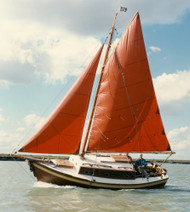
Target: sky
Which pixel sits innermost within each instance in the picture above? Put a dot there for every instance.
(45, 45)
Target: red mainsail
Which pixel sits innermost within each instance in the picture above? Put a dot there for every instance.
(127, 117)
(63, 131)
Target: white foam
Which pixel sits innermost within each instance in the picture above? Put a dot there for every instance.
(40, 184)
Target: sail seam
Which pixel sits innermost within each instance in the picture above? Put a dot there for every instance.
(129, 126)
(125, 85)
(139, 103)
(137, 83)
(71, 114)
(140, 61)
(141, 121)
(80, 94)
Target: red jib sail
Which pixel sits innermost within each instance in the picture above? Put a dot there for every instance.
(62, 133)
(127, 117)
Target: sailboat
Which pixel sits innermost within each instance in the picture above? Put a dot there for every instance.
(125, 118)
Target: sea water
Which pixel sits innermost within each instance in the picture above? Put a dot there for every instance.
(19, 191)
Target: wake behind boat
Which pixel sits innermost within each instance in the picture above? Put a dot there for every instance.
(125, 118)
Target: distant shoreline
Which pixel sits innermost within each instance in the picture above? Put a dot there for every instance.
(8, 157)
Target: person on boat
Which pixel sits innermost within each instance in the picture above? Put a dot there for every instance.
(140, 165)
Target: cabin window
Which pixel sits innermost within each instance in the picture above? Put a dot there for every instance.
(106, 174)
(127, 176)
(87, 172)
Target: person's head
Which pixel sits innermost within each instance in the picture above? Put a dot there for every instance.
(140, 155)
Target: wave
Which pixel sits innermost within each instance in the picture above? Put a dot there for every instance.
(40, 184)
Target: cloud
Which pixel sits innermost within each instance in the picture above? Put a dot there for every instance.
(34, 121)
(4, 84)
(68, 57)
(11, 139)
(15, 72)
(73, 14)
(155, 49)
(80, 16)
(41, 51)
(53, 40)
(2, 119)
(179, 139)
(161, 12)
(8, 141)
(173, 90)
(20, 129)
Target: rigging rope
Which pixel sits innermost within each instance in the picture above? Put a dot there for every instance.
(166, 158)
(27, 173)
